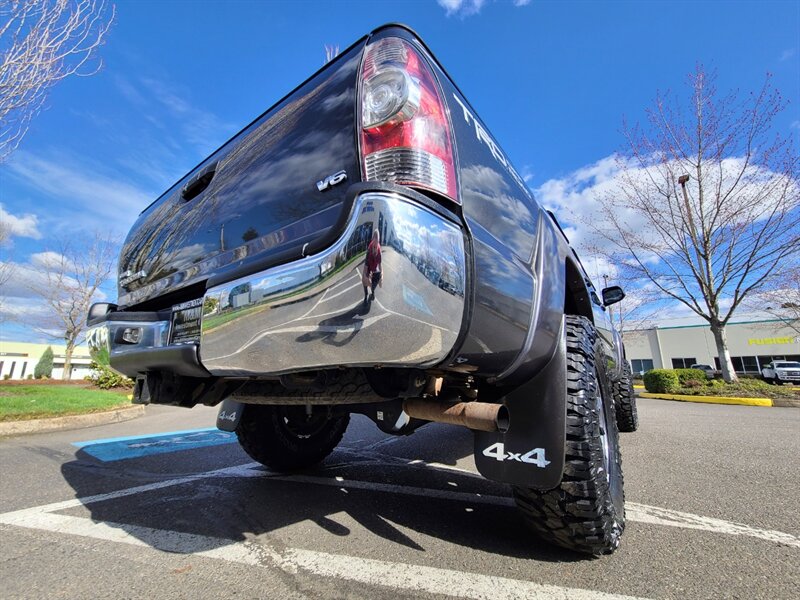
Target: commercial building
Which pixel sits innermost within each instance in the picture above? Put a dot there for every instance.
(18, 360)
(754, 340)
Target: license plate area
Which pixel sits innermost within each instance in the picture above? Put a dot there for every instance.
(185, 322)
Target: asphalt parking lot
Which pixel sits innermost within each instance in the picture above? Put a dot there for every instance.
(164, 506)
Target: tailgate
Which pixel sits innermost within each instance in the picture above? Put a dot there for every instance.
(255, 202)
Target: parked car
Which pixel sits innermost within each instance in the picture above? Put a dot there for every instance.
(380, 144)
(710, 371)
(781, 371)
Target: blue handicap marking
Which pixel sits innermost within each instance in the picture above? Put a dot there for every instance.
(111, 449)
(414, 300)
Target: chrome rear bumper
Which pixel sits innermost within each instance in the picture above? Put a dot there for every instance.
(311, 314)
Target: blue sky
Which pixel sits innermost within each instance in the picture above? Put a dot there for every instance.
(552, 80)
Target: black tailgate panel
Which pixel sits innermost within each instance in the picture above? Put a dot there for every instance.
(262, 203)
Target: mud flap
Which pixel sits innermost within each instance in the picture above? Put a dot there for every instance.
(531, 452)
(230, 413)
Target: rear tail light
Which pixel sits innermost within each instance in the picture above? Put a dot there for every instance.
(405, 133)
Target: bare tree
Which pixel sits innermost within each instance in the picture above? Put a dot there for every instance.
(6, 268)
(706, 207)
(638, 310)
(781, 298)
(67, 281)
(43, 42)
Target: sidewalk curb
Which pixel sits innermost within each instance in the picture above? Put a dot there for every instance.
(710, 399)
(119, 415)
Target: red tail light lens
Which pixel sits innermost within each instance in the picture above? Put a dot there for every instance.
(405, 134)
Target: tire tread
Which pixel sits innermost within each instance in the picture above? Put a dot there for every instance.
(579, 514)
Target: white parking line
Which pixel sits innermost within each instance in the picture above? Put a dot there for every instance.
(403, 576)
(362, 324)
(654, 515)
(641, 513)
(344, 291)
(404, 316)
(354, 274)
(379, 573)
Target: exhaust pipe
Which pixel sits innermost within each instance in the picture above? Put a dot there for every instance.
(480, 416)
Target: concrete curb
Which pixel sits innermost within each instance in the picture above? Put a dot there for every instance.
(710, 399)
(71, 422)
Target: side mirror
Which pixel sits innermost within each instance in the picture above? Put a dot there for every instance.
(612, 295)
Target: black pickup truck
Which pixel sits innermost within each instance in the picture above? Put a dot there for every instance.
(365, 246)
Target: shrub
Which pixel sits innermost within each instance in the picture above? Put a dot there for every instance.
(44, 368)
(685, 375)
(753, 385)
(661, 381)
(106, 378)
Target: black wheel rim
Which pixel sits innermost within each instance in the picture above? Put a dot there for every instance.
(298, 423)
(610, 447)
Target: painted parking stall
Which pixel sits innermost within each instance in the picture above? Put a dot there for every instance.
(138, 446)
(382, 518)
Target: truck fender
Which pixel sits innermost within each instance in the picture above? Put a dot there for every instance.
(531, 452)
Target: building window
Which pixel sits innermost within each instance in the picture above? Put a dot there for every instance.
(640, 366)
(683, 363)
(11, 372)
(24, 368)
(748, 365)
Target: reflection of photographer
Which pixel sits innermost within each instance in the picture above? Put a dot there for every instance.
(372, 267)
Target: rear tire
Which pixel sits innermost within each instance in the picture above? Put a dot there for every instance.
(586, 512)
(625, 401)
(285, 438)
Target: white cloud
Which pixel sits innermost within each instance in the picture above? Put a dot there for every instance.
(25, 277)
(47, 260)
(23, 309)
(575, 198)
(467, 8)
(527, 174)
(23, 226)
(200, 128)
(100, 199)
(787, 54)
(20, 302)
(464, 8)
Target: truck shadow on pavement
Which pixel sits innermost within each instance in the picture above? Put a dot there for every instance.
(364, 494)
(328, 329)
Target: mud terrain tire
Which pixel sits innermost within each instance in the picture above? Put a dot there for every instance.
(586, 512)
(625, 401)
(284, 438)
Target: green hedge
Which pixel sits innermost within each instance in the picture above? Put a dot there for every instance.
(106, 378)
(662, 381)
(685, 375)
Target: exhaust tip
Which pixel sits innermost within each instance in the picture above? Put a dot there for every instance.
(503, 419)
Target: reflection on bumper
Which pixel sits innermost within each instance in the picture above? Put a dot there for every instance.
(311, 313)
(107, 343)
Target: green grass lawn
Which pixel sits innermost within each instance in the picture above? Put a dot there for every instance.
(19, 402)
